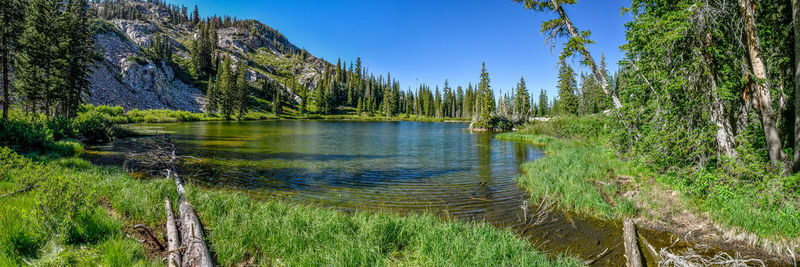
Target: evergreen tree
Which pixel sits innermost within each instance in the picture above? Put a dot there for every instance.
(522, 99)
(543, 103)
(212, 97)
(80, 56)
(242, 91)
(276, 102)
(568, 102)
(40, 72)
(487, 102)
(202, 51)
(226, 88)
(195, 16)
(387, 99)
(12, 23)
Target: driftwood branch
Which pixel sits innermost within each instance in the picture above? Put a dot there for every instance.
(632, 254)
(25, 189)
(149, 232)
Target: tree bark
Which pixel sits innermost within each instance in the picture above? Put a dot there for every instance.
(632, 253)
(196, 253)
(173, 240)
(724, 136)
(760, 88)
(796, 24)
(587, 57)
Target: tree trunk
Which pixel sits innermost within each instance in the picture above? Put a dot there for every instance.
(719, 115)
(760, 87)
(796, 24)
(632, 253)
(173, 240)
(587, 57)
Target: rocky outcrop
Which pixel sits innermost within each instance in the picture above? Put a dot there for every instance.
(126, 79)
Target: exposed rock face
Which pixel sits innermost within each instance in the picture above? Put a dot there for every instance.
(125, 77)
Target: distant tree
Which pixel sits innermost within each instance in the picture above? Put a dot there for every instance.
(568, 102)
(487, 102)
(160, 49)
(202, 51)
(276, 102)
(212, 97)
(543, 103)
(242, 91)
(522, 99)
(387, 99)
(195, 16)
(12, 23)
(226, 89)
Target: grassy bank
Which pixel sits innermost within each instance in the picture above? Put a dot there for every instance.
(67, 218)
(583, 169)
(579, 174)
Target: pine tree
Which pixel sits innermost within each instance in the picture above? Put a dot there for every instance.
(522, 100)
(195, 16)
(80, 56)
(242, 91)
(212, 97)
(12, 23)
(387, 99)
(487, 103)
(568, 102)
(276, 102)
(40, 72)
(226, 86)
(543, 103)
(202, 51)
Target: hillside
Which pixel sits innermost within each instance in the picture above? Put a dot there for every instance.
(125, 76)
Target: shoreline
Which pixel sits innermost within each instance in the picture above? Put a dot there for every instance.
(688, 223)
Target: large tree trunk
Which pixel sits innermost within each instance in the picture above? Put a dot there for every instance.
(587, 57)
(796, 24)
(760, 87)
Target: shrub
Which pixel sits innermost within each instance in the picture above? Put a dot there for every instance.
(61, 200)
(25, 136)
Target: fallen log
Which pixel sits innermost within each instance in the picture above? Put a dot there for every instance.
(173, 240)
(196, 253)
(632, 253)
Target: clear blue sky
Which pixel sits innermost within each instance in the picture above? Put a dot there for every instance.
(422, 41)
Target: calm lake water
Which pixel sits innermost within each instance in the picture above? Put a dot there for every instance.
(390, 166)
(397, 166)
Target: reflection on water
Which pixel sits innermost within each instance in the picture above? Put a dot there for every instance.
(394, 166)
(401, 166)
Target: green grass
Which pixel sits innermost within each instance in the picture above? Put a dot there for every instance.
(572, 172)
(581, 167)
(239, 229)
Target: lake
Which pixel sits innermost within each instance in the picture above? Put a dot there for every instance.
(399, 167)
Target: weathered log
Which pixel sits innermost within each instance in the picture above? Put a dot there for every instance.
(173, 240)
(632, 253)
(196, 253)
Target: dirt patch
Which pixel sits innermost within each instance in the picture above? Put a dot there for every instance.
(663, 211)
(153, 240)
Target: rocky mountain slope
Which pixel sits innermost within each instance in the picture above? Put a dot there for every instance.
(125, 77)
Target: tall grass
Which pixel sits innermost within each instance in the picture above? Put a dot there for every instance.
(580, 176)
(581, 167)
(240, 230)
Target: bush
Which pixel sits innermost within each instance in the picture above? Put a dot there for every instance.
(62, 199)
(25, 136)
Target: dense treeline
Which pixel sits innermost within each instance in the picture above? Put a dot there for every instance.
(49, 46)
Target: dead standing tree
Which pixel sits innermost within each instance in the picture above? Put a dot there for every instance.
(185, 244)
